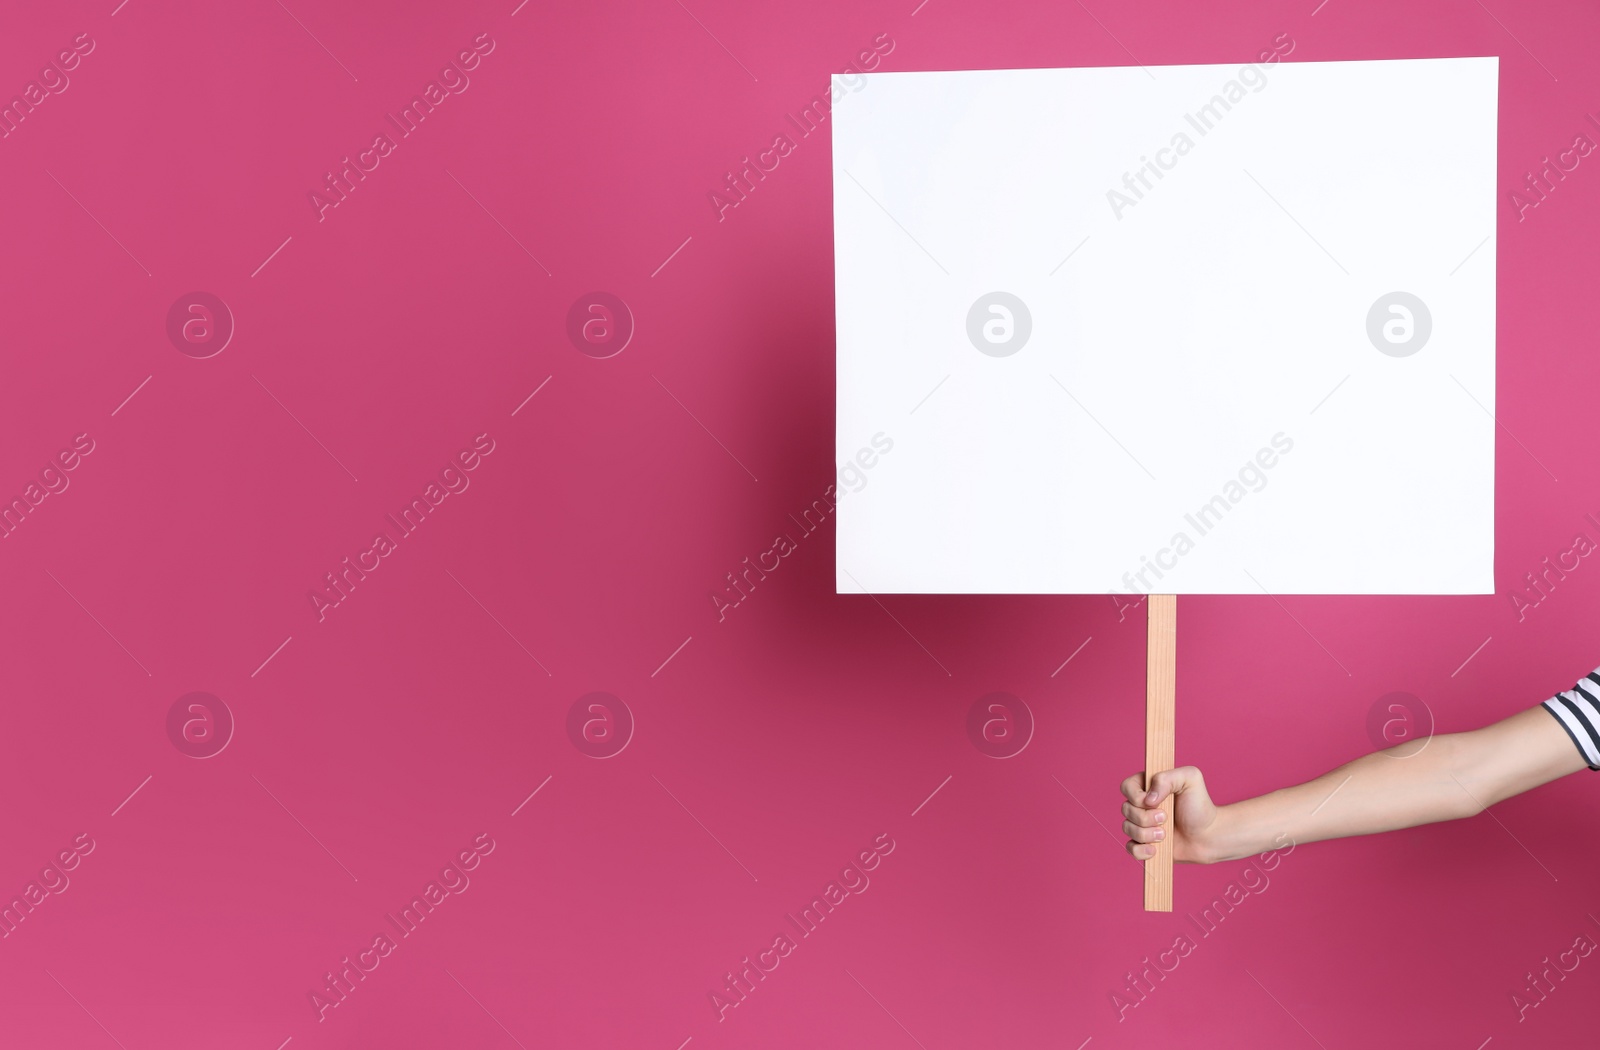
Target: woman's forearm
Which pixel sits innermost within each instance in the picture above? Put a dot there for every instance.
(1457, 775)
(1377, 792)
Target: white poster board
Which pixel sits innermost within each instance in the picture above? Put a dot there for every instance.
(1235, 323)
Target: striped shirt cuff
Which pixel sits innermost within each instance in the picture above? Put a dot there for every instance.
(1578, 711)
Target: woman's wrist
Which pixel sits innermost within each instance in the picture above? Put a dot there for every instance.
(1228, 837)
(1201, 846)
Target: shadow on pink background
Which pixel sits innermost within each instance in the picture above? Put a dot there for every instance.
(417, 738)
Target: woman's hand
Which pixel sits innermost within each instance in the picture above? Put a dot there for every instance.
(1194, 827)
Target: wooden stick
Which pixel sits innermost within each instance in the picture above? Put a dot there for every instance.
(1160, 713)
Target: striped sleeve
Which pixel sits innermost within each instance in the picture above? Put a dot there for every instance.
(1578, 711)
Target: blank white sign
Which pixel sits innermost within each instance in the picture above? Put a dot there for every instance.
(1190, 329)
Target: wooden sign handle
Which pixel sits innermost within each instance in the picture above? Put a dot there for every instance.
(1160, 713)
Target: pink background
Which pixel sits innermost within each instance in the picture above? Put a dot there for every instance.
(775, 745)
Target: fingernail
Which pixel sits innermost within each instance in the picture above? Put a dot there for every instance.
(1160, 835)
(1150, 799)
(1161, 815)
